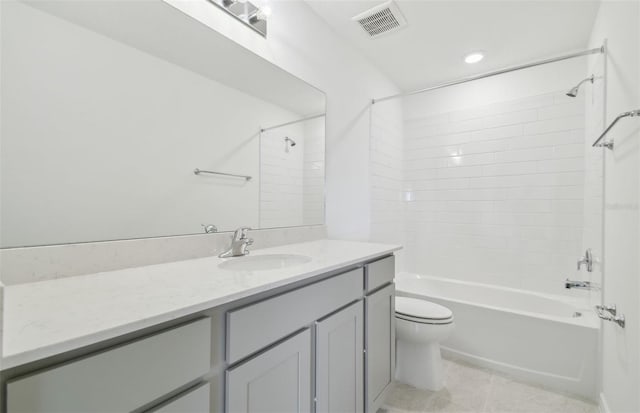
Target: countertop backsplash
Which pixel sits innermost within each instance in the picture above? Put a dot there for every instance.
(31, 264)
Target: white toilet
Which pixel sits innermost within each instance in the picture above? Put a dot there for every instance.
(420, 327)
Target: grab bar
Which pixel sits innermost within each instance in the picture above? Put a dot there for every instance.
(201, 171)
(609, 144)
(601, 310)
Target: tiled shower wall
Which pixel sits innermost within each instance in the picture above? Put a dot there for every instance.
(495, 194)
(292, 178)
(281, 176)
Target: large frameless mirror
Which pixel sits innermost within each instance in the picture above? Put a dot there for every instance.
(169, 129)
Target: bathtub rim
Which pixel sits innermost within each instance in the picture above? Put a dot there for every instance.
(588, 319)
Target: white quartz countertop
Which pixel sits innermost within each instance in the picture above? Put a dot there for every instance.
(46, 318)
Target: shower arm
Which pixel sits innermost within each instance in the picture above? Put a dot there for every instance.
(609, 144)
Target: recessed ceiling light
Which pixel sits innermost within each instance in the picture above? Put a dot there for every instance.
(474, 57)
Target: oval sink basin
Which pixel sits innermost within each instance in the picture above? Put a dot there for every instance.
(263, 262)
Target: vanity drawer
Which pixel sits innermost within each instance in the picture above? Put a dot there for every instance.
(379, 273)
(193, 401)
(254, 327)
(120, 379)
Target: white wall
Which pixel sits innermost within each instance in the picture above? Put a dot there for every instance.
(300, 42)
(99, 140)
(387, 173)
(313, 202)
(619, 23)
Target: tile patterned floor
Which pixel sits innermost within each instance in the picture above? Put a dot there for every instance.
(471, 389)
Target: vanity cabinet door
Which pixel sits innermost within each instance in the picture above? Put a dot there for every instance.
(339, 361)
(278, 380)
(380, 342)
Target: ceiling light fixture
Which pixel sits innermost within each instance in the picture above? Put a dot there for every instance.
(474, 57)
(247, 12)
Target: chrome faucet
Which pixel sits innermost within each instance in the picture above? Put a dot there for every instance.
(239, 244)
(587, 259)
(583, 285)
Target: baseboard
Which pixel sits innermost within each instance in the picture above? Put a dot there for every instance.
(602, 404)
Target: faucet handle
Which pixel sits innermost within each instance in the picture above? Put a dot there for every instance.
(247, 242)
(586, 259)
(241, 233)
(209, 228)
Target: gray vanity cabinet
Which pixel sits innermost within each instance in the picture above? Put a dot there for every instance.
(326, 346)
(339, 361)
(120, 379)
(380, 330)
(277, 380)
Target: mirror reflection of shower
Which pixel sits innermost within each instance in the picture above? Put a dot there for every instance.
(288, 143)
(573, 92)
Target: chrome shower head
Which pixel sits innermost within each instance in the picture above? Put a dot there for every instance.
(288, 142)
(573, 92)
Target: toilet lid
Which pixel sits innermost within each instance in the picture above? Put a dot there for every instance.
(418, 308)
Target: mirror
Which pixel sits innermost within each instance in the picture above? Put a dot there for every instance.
(108, 108)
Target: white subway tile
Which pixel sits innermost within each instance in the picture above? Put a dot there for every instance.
(554, 125)
(569, 151)
(519, 206)
(563, 110)
(532, 154)
(432, 152)
(514, 168)
(547, 139)
(482, 147)
(459, 172)
(470, 160)
(439, 140)
(561, 165)
(513, 118)
(498, 133)
(428, 163)
(568, 206)
(463, 206)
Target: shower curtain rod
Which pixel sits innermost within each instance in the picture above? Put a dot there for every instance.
(292, 122)
(600, 49)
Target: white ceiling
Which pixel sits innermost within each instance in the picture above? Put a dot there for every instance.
(440, 33)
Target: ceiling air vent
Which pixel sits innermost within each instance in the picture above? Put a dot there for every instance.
(382, 19)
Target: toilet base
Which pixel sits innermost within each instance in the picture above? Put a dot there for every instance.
(419, 365)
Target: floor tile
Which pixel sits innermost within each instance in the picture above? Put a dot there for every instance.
(508, 396)
(470, 389)
(466, 386)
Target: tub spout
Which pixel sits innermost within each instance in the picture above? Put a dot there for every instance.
(583, 285)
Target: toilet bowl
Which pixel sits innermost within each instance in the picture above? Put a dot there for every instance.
(420, 327)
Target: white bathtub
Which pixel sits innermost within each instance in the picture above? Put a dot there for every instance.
(530, 336)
